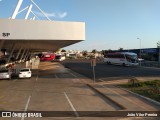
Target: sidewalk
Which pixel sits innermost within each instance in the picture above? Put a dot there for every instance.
(129, 101)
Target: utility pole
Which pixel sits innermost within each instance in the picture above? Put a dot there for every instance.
(93, 64)
(158, 46)
(139, 50)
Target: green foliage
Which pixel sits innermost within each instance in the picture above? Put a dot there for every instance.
(94, 51)
(85, 53)
(153, 83)
(120, 49)
(149, 89)
(133, 82)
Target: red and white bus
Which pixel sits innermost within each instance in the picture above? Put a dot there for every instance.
(121, 58)
(47, 57)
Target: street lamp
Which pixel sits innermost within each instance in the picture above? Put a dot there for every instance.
(139, 50)
(158, 46)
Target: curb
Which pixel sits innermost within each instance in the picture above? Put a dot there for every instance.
(143, 97)
(119, 105)
(150, 67)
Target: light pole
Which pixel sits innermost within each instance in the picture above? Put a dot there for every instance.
(158, 46)
(139, 51)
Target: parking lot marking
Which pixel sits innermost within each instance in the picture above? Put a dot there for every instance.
(73, 75)
(26, 107)
(70, 103)
(55, 76)
(101, 80)
(37, 78)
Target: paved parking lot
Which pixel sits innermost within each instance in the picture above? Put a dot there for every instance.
(50, 89)
(53, 88)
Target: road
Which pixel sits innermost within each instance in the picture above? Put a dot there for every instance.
(110, 72)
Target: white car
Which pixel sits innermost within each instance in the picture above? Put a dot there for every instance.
(25, 73)
(140, 59)
(5, 74)
(59, 58)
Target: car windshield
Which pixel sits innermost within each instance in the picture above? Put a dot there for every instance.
(58, 57)
(24, 70)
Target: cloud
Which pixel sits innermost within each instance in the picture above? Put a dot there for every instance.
(62, 15)
(54, 14)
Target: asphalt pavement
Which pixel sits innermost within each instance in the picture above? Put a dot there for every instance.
(110, 72)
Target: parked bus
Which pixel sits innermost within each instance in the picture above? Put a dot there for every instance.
(48, 57)
(122, 58)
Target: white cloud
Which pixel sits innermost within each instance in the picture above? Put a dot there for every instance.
(62, 15)
(54, 14)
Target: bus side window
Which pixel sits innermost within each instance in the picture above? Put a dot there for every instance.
(121, 56)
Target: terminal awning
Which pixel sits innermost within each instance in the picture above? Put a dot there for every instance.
(40, 35)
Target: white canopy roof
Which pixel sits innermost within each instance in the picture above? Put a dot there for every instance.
(40, 35)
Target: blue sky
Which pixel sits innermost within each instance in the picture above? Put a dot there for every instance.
(110, 24)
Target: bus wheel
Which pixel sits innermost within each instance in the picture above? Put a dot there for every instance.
(124, 64)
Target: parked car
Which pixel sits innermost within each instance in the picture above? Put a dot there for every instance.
(5, 74)
(140, 59)
(25, 73)
(59, 57)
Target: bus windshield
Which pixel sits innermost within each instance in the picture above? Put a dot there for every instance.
(132, 58)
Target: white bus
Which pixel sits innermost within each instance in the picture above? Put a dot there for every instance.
(122, 58)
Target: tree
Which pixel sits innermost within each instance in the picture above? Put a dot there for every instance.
(109, 50)
(120, 49)
(85, 53)
(94, 51)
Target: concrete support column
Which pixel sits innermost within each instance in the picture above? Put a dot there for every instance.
(27, 51)
(1, 44)
(11, 53)
(22, 54)
(18, 54)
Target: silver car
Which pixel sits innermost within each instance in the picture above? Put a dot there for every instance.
(5, 74)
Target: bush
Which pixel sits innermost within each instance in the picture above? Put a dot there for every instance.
(133, 82)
